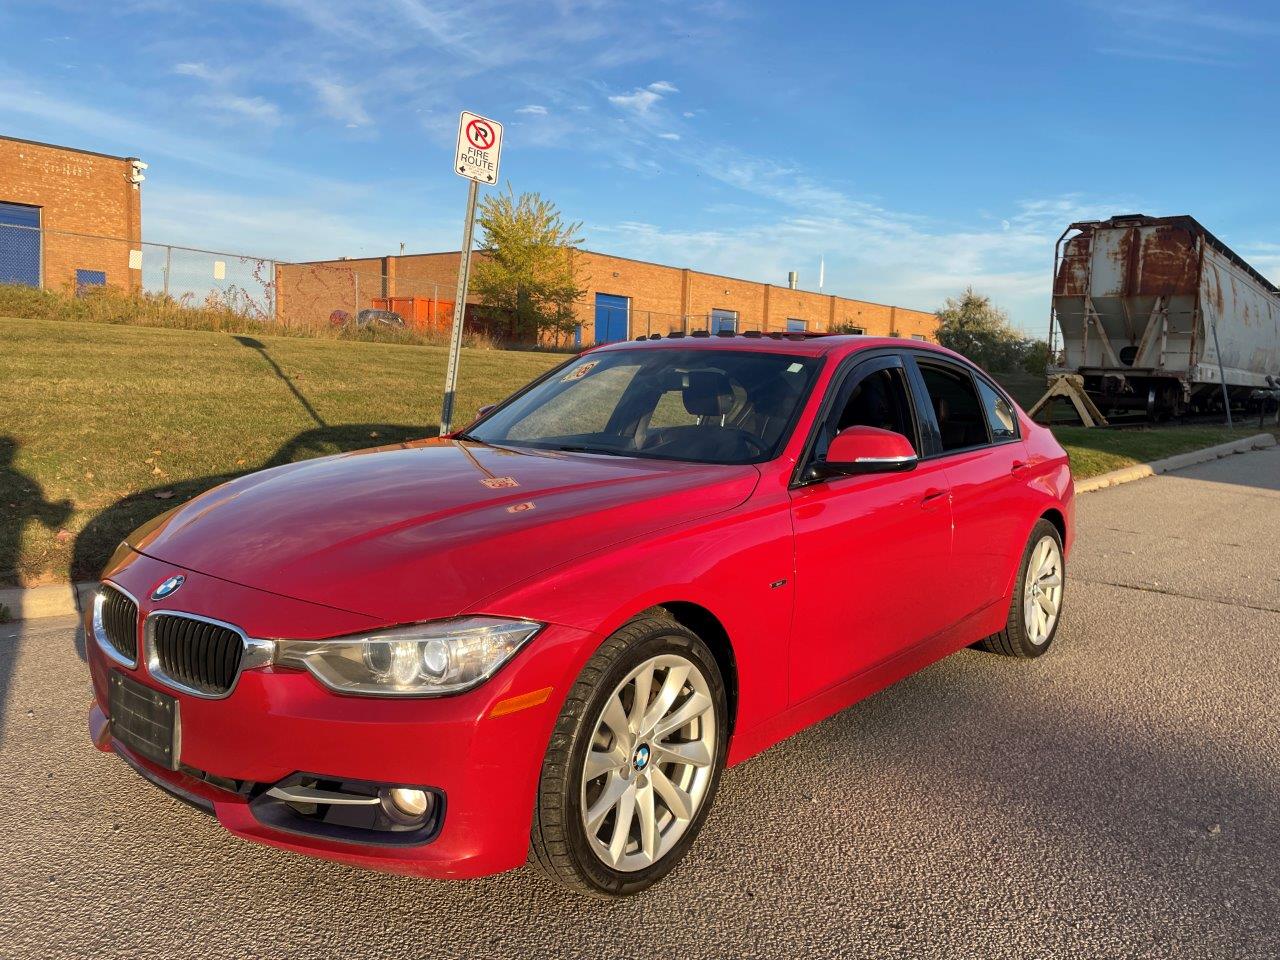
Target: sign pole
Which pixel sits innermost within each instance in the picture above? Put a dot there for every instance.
(476, 159)
(459, 314)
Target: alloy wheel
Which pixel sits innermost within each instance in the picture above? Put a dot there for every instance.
(649, 763)
(1042, 591)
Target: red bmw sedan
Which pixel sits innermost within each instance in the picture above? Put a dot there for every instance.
(544, 638)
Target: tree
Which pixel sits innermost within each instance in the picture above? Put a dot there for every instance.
(526, 273)
(974, 326)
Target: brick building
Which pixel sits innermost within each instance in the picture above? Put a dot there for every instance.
(68, 217)
(623, 298)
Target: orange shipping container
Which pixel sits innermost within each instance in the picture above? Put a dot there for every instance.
(419, 313)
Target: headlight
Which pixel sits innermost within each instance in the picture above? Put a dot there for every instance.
(423, 660)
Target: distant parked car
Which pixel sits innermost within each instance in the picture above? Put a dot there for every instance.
(546, 636)
(366, 317)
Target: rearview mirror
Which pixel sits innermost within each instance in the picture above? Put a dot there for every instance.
(858, 450)
(483, 411)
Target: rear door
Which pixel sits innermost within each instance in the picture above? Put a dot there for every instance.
(869, 549)
(978, 444)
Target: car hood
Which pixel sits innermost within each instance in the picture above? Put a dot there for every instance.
(430, 528)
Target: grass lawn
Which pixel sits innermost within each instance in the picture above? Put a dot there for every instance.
(1099, 451)
(96, 419)
(102, 427)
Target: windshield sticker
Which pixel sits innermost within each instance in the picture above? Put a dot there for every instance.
(795, 368)
(521, 507)
(577, 373)
(499, 483)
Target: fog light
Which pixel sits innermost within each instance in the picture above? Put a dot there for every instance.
(406, 805)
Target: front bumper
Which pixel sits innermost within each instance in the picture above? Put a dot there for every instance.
(276, 723)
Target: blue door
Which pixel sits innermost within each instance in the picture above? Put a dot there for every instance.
(724, 321)
(19, 244)
(611, 317)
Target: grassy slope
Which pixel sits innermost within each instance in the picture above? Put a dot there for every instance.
(1098, 451)
(105, 417)
(100, 413)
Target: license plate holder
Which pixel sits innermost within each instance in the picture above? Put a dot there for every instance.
(144, 720)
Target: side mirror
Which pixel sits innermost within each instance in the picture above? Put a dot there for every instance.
(483, 411)
(858, 450)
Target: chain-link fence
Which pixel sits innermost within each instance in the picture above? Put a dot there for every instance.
(76, 264)
(167, 277)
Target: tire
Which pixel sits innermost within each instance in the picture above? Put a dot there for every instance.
(1019, 638)
(561, 844)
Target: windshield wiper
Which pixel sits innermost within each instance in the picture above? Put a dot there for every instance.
(579, 448)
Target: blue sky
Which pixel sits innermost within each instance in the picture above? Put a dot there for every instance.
(919, 147)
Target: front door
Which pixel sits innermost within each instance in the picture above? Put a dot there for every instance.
(611, 317)
(870, 550)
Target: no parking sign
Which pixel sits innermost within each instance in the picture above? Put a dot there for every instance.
(479, 145)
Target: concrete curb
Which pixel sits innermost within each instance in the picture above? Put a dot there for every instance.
(1177, 462)
(54, 600)
(62, 599)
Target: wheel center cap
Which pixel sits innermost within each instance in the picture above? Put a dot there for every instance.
(641, 758)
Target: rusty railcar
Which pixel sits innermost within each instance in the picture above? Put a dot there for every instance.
(1158, 314)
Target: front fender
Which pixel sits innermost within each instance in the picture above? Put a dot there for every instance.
(739, 566)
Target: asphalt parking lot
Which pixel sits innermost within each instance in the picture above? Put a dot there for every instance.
(1119, 797)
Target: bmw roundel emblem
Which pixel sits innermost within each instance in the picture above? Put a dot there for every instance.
(169, 587)
(641, 759)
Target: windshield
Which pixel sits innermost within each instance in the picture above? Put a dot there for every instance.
(707, 406)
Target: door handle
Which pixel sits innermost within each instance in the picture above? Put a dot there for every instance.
(1019, 467)
(932, 499)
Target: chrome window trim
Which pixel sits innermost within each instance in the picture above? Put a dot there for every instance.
(100, 634)
(897, 460)
(255, 653)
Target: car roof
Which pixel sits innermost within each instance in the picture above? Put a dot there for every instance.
(810, 345)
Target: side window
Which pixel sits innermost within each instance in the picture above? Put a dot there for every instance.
(1000, 417)
(879, 399)
(962, 421)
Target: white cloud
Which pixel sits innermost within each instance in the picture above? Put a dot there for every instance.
(108, 130)
(669, 136)
(642, 100)
(533, 110)
(222, 98)
(250, 108)
(639, 101)
(201, 71)
(342, 103)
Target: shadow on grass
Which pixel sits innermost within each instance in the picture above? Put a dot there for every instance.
(105, 531)
(108, 528)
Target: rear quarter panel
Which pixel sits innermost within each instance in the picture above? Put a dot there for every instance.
(1050, 480)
